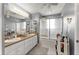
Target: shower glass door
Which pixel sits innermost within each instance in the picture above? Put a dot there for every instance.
(54, 26)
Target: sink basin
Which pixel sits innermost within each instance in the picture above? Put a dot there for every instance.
(11, 40)
(30, 34)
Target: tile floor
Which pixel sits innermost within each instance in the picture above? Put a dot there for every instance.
(45, 47)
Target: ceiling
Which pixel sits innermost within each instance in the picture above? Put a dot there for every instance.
(68, 9)
(42, 8)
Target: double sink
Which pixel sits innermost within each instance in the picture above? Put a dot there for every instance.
(18, 39)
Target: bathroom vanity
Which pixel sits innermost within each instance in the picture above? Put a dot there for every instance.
(21, 45)
(20, 33)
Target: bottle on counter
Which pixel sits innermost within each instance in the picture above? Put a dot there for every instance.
(62, 40)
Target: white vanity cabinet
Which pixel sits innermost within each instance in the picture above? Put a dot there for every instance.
(27, 45)
(15, 49)
(11, 50)
(22, 47)
(34, 41)
(30, 43)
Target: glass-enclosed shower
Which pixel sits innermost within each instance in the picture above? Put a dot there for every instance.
(49, 28)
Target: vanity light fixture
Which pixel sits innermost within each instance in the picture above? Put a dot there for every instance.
(16, 9)
(69, 20)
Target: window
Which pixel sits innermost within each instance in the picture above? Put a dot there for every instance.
(24, 25)
(21, 26)
(51, 23)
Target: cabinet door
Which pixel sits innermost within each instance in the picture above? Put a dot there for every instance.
(27, 45)
(34, 40)
(10, 50)
(30, 43)
(20, 48)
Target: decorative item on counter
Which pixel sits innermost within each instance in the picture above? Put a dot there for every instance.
(66, 39)
(58, 35)
(62, 40)
(62, 47)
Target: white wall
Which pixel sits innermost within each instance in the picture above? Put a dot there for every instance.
(36, 17)
(68, 12)
(76, 29)
(0, 28)
(71, 28)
